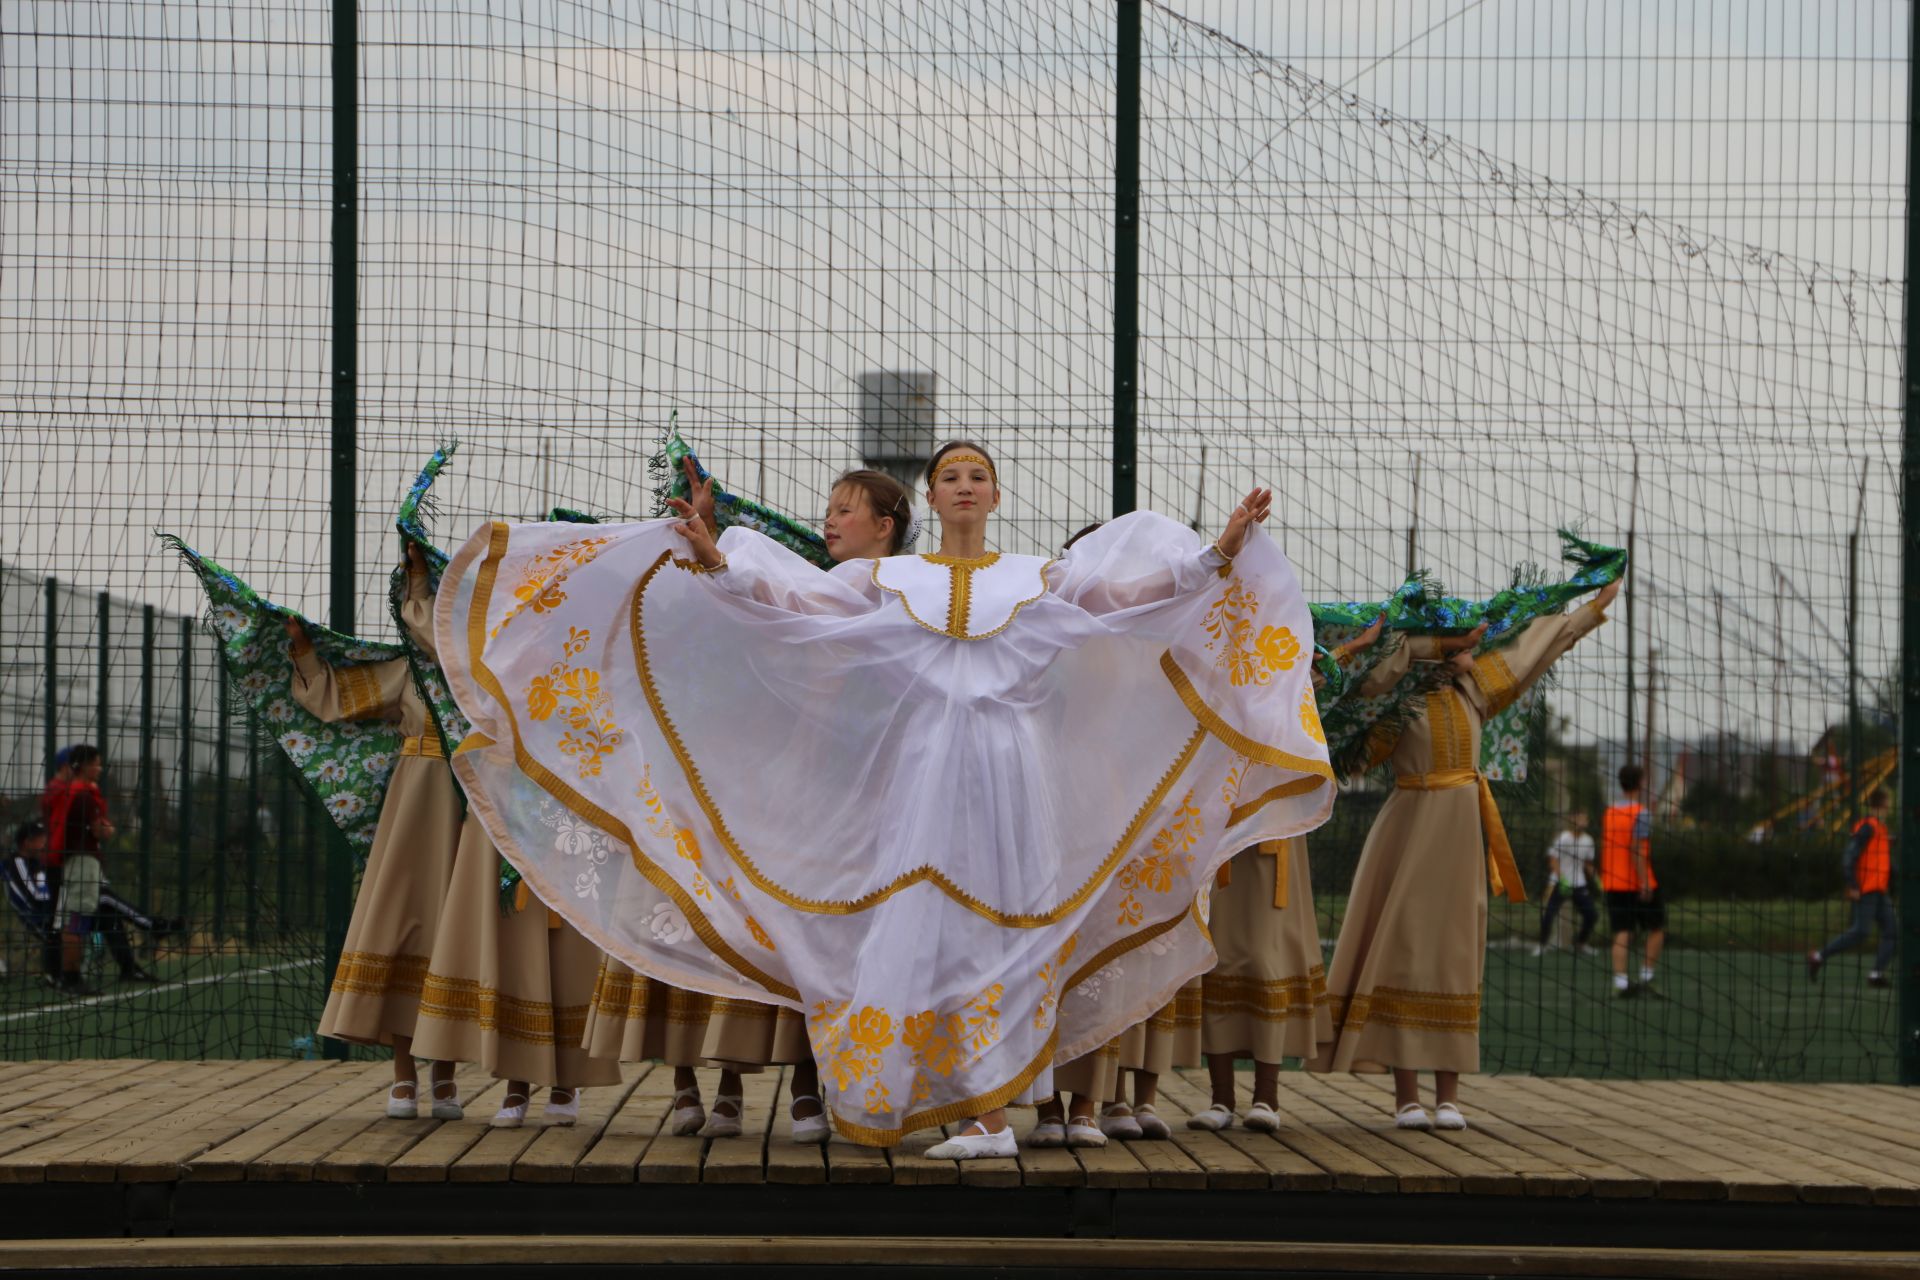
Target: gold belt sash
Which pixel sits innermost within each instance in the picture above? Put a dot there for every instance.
(1281, 853)
(1503, 877)
(424, 744)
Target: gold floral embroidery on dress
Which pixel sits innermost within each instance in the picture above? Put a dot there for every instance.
(1310, 717)
(1453, 746)
(539, 587)
(939, 1044)
(1050, 974)
(576, 693)
(685, 843)
(1245, 657)
(759, 934)
(1495, 678)
(1171, 855)
(861, 1050)
(1235, 779)
(359, 695)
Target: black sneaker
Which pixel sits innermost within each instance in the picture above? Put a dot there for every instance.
(1879, 980)
(137, 974)
(1814, 961)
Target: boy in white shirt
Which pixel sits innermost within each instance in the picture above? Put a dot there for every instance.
(1569, 859)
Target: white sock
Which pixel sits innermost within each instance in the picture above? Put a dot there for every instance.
(1619, 982)
(1646, 973)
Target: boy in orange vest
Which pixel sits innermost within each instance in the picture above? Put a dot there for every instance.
(1869, 864)
(1626, 877)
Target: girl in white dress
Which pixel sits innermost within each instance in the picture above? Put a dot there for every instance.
(951, 808)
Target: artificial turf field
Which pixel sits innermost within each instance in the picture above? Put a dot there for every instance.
(1710, 1013)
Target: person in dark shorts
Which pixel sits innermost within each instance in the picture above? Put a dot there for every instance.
(1632, 890)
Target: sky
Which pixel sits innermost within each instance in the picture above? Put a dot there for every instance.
(1458, 267)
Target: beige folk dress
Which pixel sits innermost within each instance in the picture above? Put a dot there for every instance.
(1405, 984)
(375, 997)
(632, 1018)
(506, 989)
(1266, 999)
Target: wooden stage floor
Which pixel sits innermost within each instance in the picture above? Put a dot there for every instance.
(115, 1148)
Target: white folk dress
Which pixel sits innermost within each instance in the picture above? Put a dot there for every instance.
(954, 813)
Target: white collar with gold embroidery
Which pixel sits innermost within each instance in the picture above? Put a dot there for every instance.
(965, 599)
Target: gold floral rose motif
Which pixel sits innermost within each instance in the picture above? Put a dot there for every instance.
(592, 733)
(1310, 717)
(1245, 657)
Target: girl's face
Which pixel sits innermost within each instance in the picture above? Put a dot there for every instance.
(852, 530)
(963, 492)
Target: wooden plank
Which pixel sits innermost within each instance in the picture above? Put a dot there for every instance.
(1807, 1118)
(559, 1148)
(676, 1159)
(630, 1129)
(1824, 1175)
(366, 1156)
(1745, 1177)
(1285, 1168)
(293, 1160)
(429, 1159)
(213, 1096)
(1225, 1167)
(1047, 1166)
(348, 1084)
(1564, 1118)
(911, 1168)
(1168, 1167)
(1412, 1173)
(1113, 1165)
(137, 1095)
(1478, 1174)
(851, 1164)
(997, 1171)
(51, 1093)
(743, 1160)
(168, 1160)
(790, 1162)
(492, 1158)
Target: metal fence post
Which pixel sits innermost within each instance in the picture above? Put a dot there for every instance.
(184, 842)
(222, 821)
(148, 769)
(282, 844)
(1126, 258)
(50, 662)
(345, 443)
(103, 717)
(251, 826)
(1909, 670)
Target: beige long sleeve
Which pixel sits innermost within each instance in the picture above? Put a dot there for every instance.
(1503, 675)
(372, 692)
(416, 611)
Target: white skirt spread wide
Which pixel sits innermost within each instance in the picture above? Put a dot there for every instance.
(960, 815)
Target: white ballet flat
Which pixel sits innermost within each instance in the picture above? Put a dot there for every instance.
(1117, 1121)
(810, 1130)
(1084, 1131)
(976, 1144)
(1152, 1127)
(563, 1114)
(1215, 1118)
(1447, 1116)
(720, 1126)
(399, 1108)
(1261, 1118)
(688, 1118)
(1048, 1134)
(511, 1114)
(449, 1107)
(1412, 1116)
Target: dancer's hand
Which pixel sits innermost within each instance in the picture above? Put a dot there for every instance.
(1457, 651)
(1607, 594)
(700, 494)
(1366, 639)
(1253, 509)
(694, 530)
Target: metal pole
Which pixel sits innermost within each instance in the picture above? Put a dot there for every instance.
(222, 824)
(1632, 590)
(1855, 792)
(1126, 258)
(147, 762)
(185, 845)
(282, 843)
(1909, 865)
(50, 662)
(103, 726)
(251, 826)
(346, 354)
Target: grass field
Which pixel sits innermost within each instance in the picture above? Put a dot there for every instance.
(1731, 1001)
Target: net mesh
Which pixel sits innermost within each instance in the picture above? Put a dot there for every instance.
(1449, 283)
